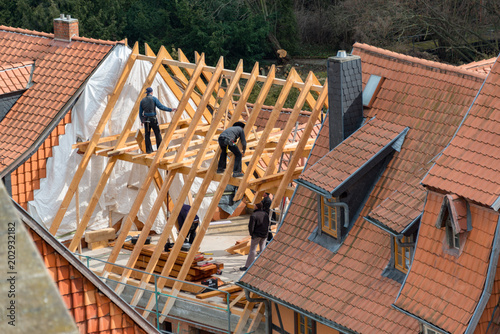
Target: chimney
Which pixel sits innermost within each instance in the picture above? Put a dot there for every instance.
(65, 28)
(344, 96)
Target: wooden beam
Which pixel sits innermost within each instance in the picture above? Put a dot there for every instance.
(261, 78)
(287, 178)
(290, 124)
(127, 223)
(169, 81)
(267, 130)
(106, 115)
(112, 161)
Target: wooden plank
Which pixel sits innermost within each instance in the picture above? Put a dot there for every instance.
(220, 292)
(287, 178)
(244, 318)
(257, 319)
(112, 161)
(169, 81)
(98, 244)
(206, 182)
(145, 185)
(280, 102)
(106, 115)
(100, 235)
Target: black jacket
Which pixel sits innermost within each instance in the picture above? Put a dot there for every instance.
(233, 133)
(258, 226)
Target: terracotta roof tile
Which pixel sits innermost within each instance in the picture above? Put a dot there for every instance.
(444, 289)
(482, 66)
(349, 156)
(67, 63)
(418, 94)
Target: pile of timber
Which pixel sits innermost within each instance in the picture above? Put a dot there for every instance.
(201, 268)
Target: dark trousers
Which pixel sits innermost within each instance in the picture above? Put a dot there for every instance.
(151, 123)
(225, 144)
(192, 232)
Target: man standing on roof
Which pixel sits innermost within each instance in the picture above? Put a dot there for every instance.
(147, 114)
(228, 139)
(258, 227)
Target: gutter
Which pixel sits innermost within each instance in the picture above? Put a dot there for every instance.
(55, 121)
(312, 316)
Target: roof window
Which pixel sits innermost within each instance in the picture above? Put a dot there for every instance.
(371, 90)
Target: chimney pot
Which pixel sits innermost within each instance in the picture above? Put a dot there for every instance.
(341, 54)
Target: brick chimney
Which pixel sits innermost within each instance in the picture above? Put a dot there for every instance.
(345, 96)
(65, 28)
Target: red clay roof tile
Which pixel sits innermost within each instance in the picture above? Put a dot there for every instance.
(418, 94)
(52, 60)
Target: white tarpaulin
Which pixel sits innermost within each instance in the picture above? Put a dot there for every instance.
(126, 178)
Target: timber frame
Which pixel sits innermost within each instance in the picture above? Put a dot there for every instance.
(217, 106)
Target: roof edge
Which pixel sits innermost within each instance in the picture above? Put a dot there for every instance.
(312, 316)
(420, 319)
(419, 61)
(89, 274)
(51, 36)
(381, 226)
(490, 278)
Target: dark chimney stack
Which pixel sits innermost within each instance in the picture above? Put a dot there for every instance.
(65, 28)
(344, 96)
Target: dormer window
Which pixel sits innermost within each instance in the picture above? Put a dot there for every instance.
(329, 217)
(455, 218)
(403, 253)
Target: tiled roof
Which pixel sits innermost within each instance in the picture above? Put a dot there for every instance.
(350, 155)
(441, 288)
(469, 166)
(347, 287)
(15, 77)
(94, 306)
(482, 66)
(401, 207)
(60, 70)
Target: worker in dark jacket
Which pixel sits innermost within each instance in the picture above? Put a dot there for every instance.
(228, 139)
(182, 217)
(258, 227)
(147, 114)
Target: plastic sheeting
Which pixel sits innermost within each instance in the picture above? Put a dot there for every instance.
(126, 178)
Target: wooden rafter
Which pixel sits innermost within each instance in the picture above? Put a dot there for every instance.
(207, 117)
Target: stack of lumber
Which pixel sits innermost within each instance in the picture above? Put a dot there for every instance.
(200, 269)
(242, 246)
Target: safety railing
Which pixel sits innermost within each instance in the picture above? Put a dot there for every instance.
(158, 293)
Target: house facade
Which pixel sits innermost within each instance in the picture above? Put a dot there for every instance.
(342, 258)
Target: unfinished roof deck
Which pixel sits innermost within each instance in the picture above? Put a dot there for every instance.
(210, 100)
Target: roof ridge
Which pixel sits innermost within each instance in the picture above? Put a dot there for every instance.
(8, 66)
(51, 36)
(451, 69)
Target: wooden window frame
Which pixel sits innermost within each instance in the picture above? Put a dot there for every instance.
(429, 330)
(298, 322)
(403, 255)
(329, 217)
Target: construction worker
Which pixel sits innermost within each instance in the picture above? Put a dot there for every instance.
(258, 227)
(147, 114)
(182, 217)
(228, 139)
